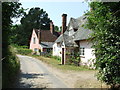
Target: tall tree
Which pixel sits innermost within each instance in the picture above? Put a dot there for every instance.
(57, 29)
(104, 21)
(9, 10)
(36, 18)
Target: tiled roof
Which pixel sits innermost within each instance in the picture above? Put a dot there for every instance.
(46, 36)
(47, 44)
(68, 40)
(80, 34)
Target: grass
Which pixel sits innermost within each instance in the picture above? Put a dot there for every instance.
(57, 64)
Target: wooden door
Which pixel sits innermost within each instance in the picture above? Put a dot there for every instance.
(62, 55)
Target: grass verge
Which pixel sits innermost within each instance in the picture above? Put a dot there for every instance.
(57, 64)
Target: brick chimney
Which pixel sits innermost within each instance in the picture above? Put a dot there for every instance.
(51, 27)
(64, 21)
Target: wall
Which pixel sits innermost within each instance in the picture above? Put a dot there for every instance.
(88, 56)
(36, 45)
(57, 50)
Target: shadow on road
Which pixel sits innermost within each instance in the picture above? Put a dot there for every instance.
(27, 77)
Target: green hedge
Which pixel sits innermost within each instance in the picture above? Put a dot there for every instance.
(24, 51)
(10, 68)
(16, 46)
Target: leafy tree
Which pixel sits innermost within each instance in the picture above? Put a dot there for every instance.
(104, 21)
(9, 63)
(36, 18)
(60, 28)
(56, 28)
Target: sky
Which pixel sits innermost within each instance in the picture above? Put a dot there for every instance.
(56, 9)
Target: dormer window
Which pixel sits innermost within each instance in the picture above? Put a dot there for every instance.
(34, 41)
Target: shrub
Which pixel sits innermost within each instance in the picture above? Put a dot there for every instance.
(104, 21)
(56, 57)
(10, 67)
(26, 47)
(24, 51)
(73, 59)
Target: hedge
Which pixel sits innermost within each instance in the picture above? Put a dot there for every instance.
(24, 51)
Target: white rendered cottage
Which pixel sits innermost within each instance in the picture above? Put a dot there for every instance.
(74, 38)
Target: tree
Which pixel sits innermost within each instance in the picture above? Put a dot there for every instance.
(104, 21)
(60, 28)
(36, 18)
(57, 29)
(9, 63)
(9, 10)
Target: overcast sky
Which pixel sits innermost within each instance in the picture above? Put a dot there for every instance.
(56, 9)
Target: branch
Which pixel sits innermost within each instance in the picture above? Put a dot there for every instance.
(2, 59)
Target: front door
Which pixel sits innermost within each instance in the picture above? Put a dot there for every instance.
(62, 55)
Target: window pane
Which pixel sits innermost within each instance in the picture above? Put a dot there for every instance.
(82, 50)
(34, 40)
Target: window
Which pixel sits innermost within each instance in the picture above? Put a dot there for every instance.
(35, 49)
(34, 40)
(82, 51)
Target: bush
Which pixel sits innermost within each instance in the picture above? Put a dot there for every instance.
(104, 21)
(73, 59)
(56, 57)
(24, 51)
(26, 47)
(17, 46)
(10, 67)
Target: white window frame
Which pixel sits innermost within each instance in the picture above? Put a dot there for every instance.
(82, 51)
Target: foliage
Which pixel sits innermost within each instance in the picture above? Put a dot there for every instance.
(56, 57)
(10, 64)
(73, 58)
(57, 29)
(56, 63)
(22, 50)
(104, 21)
(49, 55)
(17, 46)
(36, 18)
(60, 28)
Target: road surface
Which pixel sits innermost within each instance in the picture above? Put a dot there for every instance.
(35, 74)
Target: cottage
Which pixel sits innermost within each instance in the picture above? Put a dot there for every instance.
(74, 39)
(43, 40)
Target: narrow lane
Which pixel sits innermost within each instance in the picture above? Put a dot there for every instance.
(34, 74)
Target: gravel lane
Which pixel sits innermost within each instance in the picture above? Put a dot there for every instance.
(34, 74)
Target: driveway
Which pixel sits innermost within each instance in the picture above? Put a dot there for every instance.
(35, 74)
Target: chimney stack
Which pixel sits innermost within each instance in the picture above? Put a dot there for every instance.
(51, 27)
(64, 21)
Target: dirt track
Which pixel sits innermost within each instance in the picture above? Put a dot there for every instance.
(36, 74)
